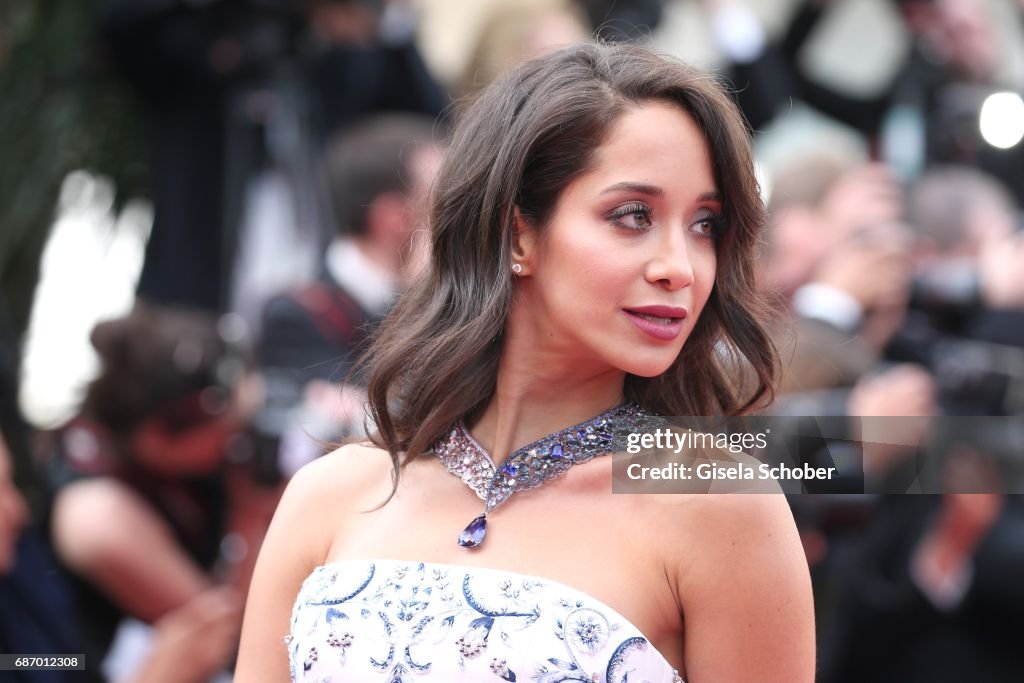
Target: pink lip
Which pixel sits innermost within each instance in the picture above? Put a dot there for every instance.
(659, 330)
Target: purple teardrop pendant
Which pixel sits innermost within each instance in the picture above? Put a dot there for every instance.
(473, 535)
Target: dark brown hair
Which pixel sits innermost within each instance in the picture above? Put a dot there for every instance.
(517, 147)
(152, 358)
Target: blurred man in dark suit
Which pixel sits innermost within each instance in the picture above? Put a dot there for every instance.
(378, 174)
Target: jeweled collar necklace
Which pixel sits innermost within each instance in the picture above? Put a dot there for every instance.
(533, 464)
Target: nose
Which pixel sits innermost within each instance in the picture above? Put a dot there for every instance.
(670, 266)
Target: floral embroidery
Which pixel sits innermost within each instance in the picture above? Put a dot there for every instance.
(399, 622)
(588, 629)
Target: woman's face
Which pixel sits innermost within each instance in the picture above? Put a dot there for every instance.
(622, 271)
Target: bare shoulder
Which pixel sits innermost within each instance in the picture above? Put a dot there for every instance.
(354, 462)
(731, 535)
(737, 523)
(347, 475)
(324, 493)
(315, 506)
(746, 591)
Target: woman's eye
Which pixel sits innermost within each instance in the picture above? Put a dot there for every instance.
(633, 216)
(709, 226)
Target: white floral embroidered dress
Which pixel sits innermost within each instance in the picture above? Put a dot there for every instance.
(363, 621)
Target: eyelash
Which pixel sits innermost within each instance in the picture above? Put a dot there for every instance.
(717, 225)
(630, 209)
(716, 221)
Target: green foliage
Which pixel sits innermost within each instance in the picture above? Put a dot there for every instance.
(61, 109)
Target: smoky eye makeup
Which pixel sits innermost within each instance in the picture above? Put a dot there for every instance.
(631, 216)
(715, 221)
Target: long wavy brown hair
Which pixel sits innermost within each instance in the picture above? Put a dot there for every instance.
(518, 146)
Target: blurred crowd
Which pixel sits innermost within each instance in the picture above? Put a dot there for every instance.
(291, 146)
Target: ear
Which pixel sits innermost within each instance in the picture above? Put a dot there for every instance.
(524, 243)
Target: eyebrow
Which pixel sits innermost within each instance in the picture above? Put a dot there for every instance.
(641, 188)
(654, 191)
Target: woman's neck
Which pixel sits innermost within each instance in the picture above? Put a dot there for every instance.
(536, 397)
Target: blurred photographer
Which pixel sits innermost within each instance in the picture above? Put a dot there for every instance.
(966, 320)
(142, 498)
(378, 173)
(930, 592)
(833, 221)
(931, 109)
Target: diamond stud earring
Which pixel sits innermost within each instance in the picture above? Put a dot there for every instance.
(517, 268)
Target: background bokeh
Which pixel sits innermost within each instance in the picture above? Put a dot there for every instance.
(184, 284)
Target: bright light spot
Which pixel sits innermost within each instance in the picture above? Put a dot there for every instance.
(1002, 119)
(88, 273)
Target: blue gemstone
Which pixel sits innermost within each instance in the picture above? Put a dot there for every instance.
(510, 469)
(473, 535)
(556, 451)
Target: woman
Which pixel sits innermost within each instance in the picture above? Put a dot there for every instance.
(597, 208)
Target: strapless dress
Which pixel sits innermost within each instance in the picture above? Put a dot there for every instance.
(362, 621)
